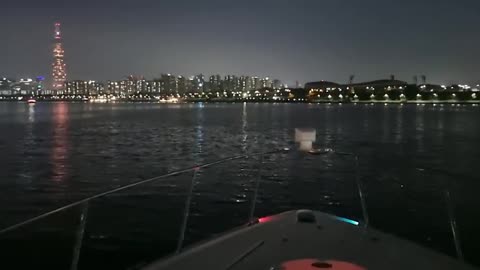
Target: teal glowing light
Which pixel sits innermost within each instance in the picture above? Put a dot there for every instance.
(350, 221)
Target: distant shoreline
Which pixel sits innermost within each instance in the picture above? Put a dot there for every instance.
(258, 101)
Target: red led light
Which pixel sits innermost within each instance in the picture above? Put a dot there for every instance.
(264, 219)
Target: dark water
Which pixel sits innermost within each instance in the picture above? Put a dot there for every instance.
(55, 153)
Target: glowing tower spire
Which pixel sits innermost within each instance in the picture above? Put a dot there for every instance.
(59, 73)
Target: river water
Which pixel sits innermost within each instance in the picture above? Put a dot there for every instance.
(55, 153)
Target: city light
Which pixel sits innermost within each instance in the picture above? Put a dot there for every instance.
(170, 88)
(58, 67)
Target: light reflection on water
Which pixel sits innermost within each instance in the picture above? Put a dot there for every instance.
(60, 148)
(244, 128)
(87, 148)
(199, 140)
(31, 112)
(27, 173)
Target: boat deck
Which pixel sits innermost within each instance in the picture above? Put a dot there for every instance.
(308, 240)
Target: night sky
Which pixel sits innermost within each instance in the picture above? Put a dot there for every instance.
(289, 40)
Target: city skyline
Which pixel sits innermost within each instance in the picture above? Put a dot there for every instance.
(308, 42)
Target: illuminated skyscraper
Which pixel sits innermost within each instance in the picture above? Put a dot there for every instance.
(181, 85)
(266, 82)
(59, 73)
(199, 83)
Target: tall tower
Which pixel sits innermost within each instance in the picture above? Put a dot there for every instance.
(59, 73)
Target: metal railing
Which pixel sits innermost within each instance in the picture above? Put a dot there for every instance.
(449, 204)
(85, 203)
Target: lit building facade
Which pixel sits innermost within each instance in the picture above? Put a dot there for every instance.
(230, 83)
(59, 73)
(215, 83)
(84, 88)
(181, 85)
(199, 83)
(24, 87)
(168, 84)
(6, 87)
(266, 83)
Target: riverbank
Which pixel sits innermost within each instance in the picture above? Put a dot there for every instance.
(475, 102)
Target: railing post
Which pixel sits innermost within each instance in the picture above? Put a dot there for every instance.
(128, 186)
(360, 193)
(186, 212)
(255, 191)
(79, 237)
(453, 223)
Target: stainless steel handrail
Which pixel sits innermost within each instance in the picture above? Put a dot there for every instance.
(359, 184)
(127, 186)
(194, 169)
(448, 199)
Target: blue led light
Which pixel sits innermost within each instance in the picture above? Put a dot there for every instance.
(350, 221)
